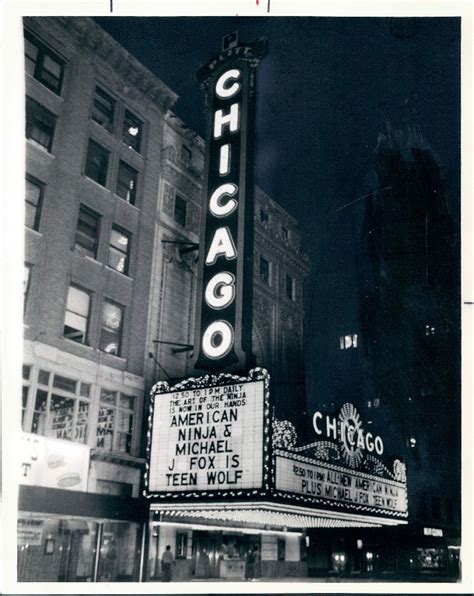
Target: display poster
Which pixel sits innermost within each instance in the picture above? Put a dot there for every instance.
(29, 531)
(209, 438)
(53, 463)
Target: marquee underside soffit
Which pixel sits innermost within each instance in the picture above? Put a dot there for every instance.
(262, 514)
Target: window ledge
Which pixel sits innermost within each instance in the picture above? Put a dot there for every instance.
(33, 231)
(109, 268)
(117, 358)
(43, 86)
(39, 147)
(135, 152)
(126, 202)
(97, 184)
(77, 343)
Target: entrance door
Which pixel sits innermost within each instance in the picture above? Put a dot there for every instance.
(206, 554)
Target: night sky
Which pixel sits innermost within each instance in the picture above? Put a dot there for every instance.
(328, 88)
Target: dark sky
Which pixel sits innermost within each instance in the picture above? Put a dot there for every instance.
(327, 89)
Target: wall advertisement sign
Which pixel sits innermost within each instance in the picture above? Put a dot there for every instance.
(209, 436)
(53, 463)
(341, 469)
(224, 321)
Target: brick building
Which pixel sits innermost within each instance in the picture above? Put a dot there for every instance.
(113, 201)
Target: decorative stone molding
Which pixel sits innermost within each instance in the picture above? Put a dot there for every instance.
(90, 37)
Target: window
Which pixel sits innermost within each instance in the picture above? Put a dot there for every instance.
(26, 282)
(180, 208)
(119, 250)
(40, 124)
(111, 487)
(186, 154)
(264, 271)
(103, 109)
(111, 329)
(97, 162)
(290, 287)
(263, 216)
(33, 201)
(132, 131)
(87, 232)
(76, 321)
(26, 373)
(285, 232)
(348, 341)
(181, 545)
(430, 330)
(281, 549)
(43, 65)
(61, 408)
(127, 183)
(115, 426)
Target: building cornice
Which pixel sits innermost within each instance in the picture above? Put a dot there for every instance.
(88, 35)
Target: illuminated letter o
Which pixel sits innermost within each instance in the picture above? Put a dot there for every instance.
(368, 442)
(378, 445)
(222, 90)
(220, 290)
(221, 329)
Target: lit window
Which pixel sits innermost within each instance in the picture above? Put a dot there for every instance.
(111, 329)
(33, 201)
(103, 109)
(61, 409)
(97, 162)
(40, 124)
(127, 183)
(181, 545)
(263, 216)
(132, 131)
(42, 64)
(429, 330)
(76, 321)
(264, 271)
(180, 208)
(87, 232)
(348, 341)
(115, 426)
(119, 250)
(412, 442)
(290, 287)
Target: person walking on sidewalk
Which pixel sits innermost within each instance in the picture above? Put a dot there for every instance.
(167, 562)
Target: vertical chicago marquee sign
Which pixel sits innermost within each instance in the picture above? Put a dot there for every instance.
(223, 338)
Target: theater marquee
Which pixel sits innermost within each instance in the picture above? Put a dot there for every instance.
(209, 436)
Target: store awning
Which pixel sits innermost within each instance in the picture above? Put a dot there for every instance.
(261, 514)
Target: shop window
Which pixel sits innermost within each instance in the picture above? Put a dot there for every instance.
(118, 560)
(33, 201)
(76, 321)
(119, 250)
(42, 64)
(110, 487)
(116, 417)
(281, 549)
(264, 271)
(97, 162)
(290, 287)
(181, 545)
(61, 410)
(103, 109)
(180, 208)
(87, 232)
(40, 124)
(132, 131)
(111, 328)
(263, 216)
(127, 183)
